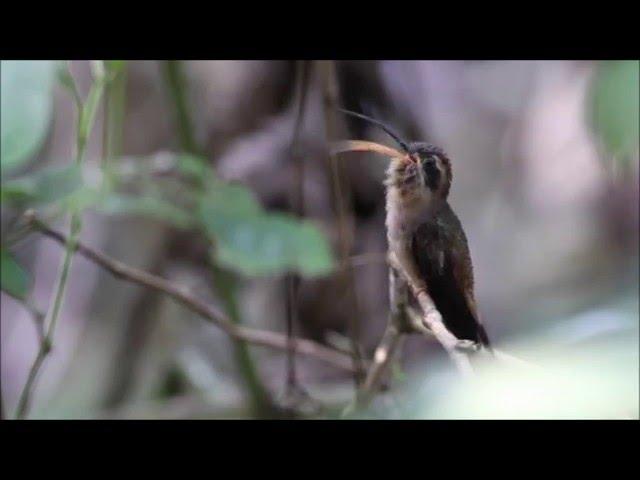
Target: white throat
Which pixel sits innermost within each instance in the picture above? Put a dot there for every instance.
(405, 212)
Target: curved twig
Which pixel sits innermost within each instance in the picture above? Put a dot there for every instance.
(208, 312)
(432, 320)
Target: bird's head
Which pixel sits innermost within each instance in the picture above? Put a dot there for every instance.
(433, 168)
(425, 170)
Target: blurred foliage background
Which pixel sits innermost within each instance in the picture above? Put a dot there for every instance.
(185, 169)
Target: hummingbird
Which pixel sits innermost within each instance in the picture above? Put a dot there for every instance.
(426, 236)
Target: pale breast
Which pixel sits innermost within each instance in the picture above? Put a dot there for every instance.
(403, 216)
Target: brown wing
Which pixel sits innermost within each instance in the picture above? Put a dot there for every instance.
(442, 255)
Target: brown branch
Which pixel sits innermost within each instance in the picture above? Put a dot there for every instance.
(380, 364)
(396, 327)
(404, 320)
(207, 312)
(330, 91)
(417, 325)
(364, 259)
(432, 320)
(292, 280)
(401, 322)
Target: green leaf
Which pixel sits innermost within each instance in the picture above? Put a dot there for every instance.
(147, 206)
(13, 278)
(232, 200)
(253, 242)
(45, 186)
(615, 106)
(84, 197)
(114, 66)
(193, 167)
(26, 108)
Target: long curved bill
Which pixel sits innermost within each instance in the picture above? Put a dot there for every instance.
(344, 146)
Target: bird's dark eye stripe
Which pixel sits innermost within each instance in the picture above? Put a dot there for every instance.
(431, 173)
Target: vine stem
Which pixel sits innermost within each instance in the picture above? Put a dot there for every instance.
(330, 91)
(292, 281)
(46, 342)
(224, 283)
(86, 114)
(265, 338)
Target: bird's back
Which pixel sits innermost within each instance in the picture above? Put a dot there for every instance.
(440, 248)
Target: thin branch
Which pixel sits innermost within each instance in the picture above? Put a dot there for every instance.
(402, 320)
(469, 346)
(396, 327)
(175, 82)
(380, 364)
(84, 123)
(114, 109)
(303, 70)
(342, 207)
(364, 259)
(432, 320)
(209, 313)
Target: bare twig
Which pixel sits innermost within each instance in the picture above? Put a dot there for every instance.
(403, 321)
(364, 259)
(396, 327)
(175, 83)
(381, 361)
(417, 324)
(292, 280)
(342, 208)
(209, 313)
(432, 320)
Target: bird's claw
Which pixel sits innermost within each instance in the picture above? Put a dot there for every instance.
(466, 345)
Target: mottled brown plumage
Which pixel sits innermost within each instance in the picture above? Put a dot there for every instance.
(439, 246)
(426, 236)
(428, 239)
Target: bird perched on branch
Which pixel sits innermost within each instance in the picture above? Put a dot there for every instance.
(426, 236)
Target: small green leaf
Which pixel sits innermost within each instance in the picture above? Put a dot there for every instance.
(253, 242)
(615, 106)
(194, 167)
(13, 278)
(147, 206)
(313, 250)
(26, 107)
(84, 197)
(45, 186)
(232, 200)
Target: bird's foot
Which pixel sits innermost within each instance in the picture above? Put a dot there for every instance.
(467, 345)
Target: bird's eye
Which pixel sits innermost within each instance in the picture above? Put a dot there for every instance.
(431, 172)
(430, 161)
